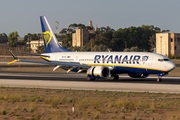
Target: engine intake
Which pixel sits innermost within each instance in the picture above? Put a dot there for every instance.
(98, 72)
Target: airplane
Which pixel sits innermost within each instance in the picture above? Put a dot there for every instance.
(99, 64)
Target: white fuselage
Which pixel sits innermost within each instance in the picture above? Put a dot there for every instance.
(150, 62)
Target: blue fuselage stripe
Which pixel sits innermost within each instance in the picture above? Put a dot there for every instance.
(136, 70)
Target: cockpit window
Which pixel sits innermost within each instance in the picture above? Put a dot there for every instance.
(161, 60)
(166, 59)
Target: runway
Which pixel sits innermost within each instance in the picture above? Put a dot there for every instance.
(79, 82)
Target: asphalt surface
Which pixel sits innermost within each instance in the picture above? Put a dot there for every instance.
(79, 82)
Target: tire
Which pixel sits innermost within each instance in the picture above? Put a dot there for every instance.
(159, 79)
(90, 79)
(114, 77)
(117, 77)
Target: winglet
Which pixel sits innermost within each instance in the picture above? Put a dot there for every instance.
(12, 54)
(15, 58)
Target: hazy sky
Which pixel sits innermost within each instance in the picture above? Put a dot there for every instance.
(23, 15)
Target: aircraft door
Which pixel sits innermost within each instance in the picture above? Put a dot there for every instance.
(77, 58)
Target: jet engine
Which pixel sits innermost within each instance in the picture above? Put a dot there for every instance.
(98, 72)
(139, 75)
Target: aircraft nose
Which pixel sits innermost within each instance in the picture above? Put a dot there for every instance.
(171, 66)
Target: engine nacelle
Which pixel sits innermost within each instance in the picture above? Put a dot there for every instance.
(139, 75)
(98, 72)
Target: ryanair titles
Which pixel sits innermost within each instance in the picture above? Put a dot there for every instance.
(128, 59)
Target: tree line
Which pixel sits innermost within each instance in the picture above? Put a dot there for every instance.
(104, 38)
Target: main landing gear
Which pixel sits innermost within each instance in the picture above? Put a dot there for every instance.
(90, 79)
(114, 77)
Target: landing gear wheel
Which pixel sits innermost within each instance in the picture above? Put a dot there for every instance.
(90, 79)
(114, 77)
(117, 77)
(159, 79)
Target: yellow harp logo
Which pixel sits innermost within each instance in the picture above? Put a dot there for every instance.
(47, 37)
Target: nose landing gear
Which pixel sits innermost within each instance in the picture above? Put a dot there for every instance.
(159, 79)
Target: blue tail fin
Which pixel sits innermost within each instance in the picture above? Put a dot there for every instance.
(50, 42)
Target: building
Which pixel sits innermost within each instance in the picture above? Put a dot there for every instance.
(90, 25)
(4, 42)
(20, 39)
(168, 44)
(81, 37)
(33, 44)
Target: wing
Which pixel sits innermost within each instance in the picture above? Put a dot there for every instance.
(74, 64)
(66, 65)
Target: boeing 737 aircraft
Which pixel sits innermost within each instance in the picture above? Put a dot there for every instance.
(100, 64)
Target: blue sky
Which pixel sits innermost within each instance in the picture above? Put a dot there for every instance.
(23, 15)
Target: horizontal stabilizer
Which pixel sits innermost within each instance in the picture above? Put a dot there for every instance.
(12, 61)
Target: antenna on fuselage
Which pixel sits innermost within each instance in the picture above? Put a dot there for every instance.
(154, 50)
